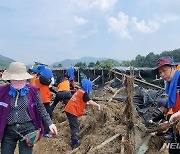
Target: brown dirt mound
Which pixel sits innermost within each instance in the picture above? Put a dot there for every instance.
(101, 132)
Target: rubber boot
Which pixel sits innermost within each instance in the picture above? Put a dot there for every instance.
(74, 143)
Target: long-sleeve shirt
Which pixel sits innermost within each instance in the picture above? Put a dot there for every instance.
(19, 113)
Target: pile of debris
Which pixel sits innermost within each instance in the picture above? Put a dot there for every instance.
(119, 127)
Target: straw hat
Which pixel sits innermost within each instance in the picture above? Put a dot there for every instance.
(16, 71)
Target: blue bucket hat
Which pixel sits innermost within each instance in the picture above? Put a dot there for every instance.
(40, 68)
(35, 70)
(87, 85)
(162, 102)
(47, 73)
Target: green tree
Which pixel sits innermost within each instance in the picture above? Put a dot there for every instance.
(91, 64)
(107, 64)
(81, 65)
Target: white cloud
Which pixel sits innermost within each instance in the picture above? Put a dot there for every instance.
(103, 4)
(80, 20)
(119, 25)
(87, 5)
(123, 24)
(144, 27)
(167, 18)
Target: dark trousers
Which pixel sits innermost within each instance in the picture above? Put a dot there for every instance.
(11, 137)
(74, 125)
(48, 109)
(61, 95)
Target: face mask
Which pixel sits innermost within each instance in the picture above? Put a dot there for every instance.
(18, 84)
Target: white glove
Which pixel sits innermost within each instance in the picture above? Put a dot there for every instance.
(174, 117)
(99, 107)
(150, 121)
(53, 129)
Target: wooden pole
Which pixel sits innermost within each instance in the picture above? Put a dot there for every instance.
(144, 82)
(104, 143)
(78, 75)
(121, 89)
(102, 76)
(96, 78)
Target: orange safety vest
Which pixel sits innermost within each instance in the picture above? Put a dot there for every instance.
(170, 111)
(32, 81)
(64, 86)
(178, 67)
(76, 105)
(73, 83)
(44, 91)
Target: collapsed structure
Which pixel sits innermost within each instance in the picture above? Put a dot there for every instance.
(127, 103)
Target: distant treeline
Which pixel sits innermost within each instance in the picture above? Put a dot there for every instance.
(139, 61)
(151, 58)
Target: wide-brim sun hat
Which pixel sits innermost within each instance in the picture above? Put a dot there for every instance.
(164, 61)
(16, 71)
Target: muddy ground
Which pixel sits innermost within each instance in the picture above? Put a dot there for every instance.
(97, 129)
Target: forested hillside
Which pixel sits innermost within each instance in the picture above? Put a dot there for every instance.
(140, 61)
(4, 62)
(150, 59)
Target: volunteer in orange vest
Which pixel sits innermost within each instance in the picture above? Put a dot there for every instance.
(166, 68)
(63, 93)
(70, 74)
(34, 76)
(43, 82)
(75, 108)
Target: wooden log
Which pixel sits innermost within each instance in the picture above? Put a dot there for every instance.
(163, 127)
(73, 151)
(104, 143)
(122, 146)
(144, 82)
(99, 99)
(96, 78)
(81, 133)
(110, 89)
(119, 90)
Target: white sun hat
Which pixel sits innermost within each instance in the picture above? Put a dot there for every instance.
(16, 71)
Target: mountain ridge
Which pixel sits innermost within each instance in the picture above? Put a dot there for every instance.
(4, 62)
(87, 60)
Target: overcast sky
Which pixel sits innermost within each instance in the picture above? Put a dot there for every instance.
(53, 30)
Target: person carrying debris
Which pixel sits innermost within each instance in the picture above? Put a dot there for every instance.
(63, 93)
(75, 108)
(165, 112)
(164, 116)
(166, 68)
(21, 111)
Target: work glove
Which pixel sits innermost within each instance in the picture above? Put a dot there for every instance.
(150, 121)
(174, 117)
(53, 129)
(99, 107)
